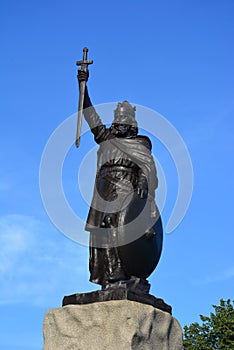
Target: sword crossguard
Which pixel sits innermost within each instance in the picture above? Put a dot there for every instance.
(84, 63)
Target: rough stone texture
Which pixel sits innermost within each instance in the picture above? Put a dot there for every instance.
(112, 325)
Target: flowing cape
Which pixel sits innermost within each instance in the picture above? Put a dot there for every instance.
(140, 154)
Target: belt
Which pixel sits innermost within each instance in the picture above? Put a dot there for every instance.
(118, 168)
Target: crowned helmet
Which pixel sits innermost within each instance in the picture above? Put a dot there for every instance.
(125, 114)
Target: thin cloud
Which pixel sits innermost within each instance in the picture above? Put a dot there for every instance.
(36, 265)
(227, 274)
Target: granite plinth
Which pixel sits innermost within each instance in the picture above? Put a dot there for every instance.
(111, 325)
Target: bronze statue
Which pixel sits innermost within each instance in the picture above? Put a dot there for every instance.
(125, 186)
(125, 226)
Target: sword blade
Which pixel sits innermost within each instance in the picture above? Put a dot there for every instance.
(80, 112)
(84, 66)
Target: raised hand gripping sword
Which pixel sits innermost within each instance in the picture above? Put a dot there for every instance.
(84, 66)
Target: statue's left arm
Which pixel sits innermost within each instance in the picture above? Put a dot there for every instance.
(142, 184)
(147, 174)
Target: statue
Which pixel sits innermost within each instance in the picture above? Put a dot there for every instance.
(124, 222)
(125, 164)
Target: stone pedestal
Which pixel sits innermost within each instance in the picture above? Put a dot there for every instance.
(111, 325)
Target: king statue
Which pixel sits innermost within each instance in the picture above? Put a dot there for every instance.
(124, 223)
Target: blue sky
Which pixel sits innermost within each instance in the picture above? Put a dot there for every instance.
(175, 57)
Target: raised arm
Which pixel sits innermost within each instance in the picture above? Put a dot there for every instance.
(98, 129)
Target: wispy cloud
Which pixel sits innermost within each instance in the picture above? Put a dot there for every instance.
(15, 239)
(225, 275)
(36, 265)
(229, 273)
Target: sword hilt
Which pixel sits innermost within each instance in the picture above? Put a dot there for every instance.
(84, 63)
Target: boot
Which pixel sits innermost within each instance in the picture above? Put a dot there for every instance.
(116, 271)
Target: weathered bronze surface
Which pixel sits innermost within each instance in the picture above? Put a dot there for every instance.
(133, 289)
(125, 227)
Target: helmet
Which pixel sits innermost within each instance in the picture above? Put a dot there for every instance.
(125, 114)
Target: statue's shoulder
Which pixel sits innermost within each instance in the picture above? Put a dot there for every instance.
(145, 141)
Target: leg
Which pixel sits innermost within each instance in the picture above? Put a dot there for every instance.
(115, 270)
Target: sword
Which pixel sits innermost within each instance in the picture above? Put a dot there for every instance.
(84, 66)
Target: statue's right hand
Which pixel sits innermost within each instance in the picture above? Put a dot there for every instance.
(82, 75)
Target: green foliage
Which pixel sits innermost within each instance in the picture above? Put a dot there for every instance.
(215, 332)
